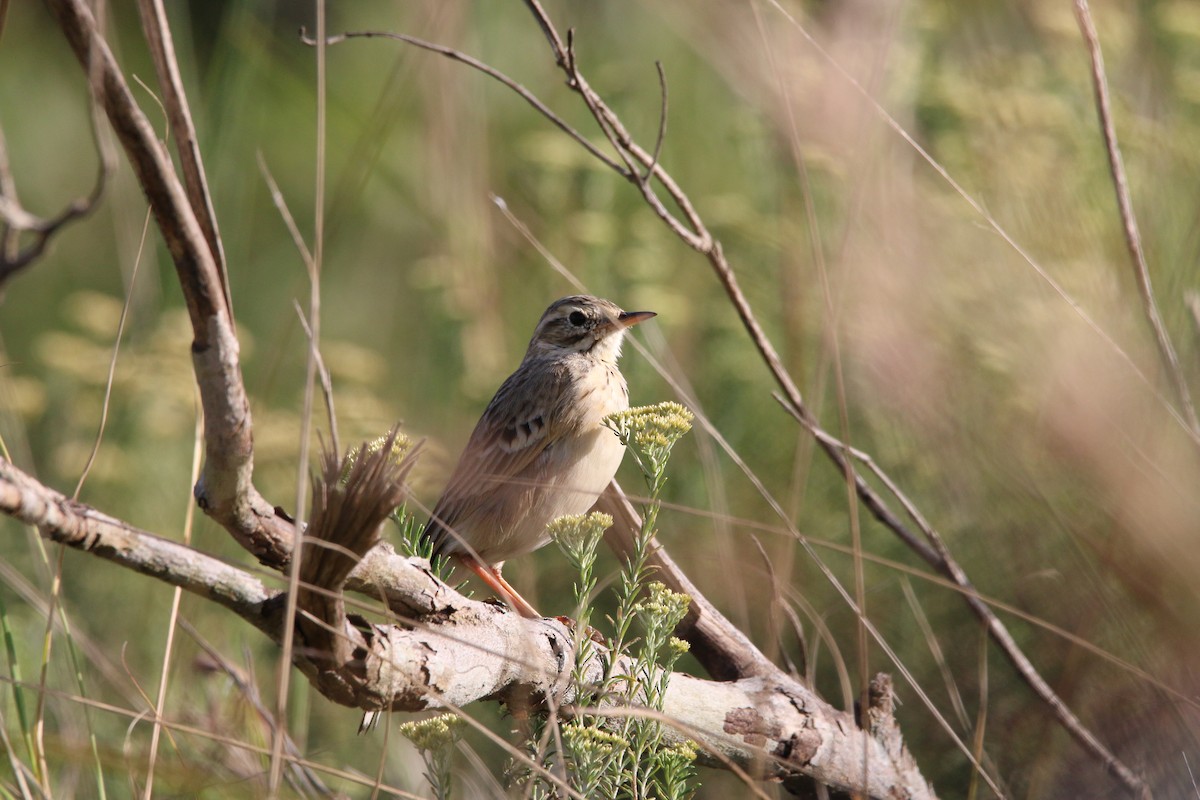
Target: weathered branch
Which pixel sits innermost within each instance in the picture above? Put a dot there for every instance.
(183, 132)
(84, 528)
(467, 651)
(225, 490)
(15, 220)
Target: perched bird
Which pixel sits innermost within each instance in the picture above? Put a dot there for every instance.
(539, 451)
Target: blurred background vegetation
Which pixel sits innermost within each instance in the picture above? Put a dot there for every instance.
(1053, 470)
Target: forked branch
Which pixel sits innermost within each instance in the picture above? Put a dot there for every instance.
(16, 223)
(225, 491)
(465, 650)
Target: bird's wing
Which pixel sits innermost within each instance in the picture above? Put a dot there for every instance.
(524, 418)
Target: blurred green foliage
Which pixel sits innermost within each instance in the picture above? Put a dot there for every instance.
(1051, 467)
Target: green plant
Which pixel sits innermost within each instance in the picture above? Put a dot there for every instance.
(435, 737)
(624, 756)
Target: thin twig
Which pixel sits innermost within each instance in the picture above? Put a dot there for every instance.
(1133, 236)
(662, 121)
(16, 220)
(488, 70)
(179, 115)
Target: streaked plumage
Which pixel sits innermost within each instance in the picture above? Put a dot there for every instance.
(539, 451)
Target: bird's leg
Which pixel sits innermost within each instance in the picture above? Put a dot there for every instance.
(491, 576)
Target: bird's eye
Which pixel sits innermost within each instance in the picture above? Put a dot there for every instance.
(577, 318)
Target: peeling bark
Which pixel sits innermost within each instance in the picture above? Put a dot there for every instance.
(463, 651)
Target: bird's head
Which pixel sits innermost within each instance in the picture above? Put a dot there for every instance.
(584, 324)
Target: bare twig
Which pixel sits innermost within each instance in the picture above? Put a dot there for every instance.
(1133, 237)
(15, 220)
(486, 69)
(662, 121)
(183, 131)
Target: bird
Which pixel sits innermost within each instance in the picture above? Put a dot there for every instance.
(539, 451)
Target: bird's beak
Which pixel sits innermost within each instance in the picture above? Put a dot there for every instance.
(627, 319)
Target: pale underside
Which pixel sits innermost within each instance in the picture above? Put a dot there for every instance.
(539, 452)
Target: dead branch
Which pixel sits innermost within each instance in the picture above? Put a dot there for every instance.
(225, 491)
(183, 132)
(466, 651)
(16, 221)
(692, 230)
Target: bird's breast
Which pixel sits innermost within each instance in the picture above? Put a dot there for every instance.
(599, 391)
(573, 469)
